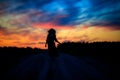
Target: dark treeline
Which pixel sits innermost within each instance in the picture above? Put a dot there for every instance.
(11, 56)
(78, 48)
(104, 50)
(20, 51)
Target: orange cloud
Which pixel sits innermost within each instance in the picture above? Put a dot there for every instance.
(49, 25)
(35, 36)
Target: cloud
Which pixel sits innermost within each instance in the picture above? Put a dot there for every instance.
(33, 43)
(19, 31)
(41, 42)
(3, 30)
(63, 12)
(106, 13)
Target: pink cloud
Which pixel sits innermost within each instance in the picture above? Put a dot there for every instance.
(49, 25)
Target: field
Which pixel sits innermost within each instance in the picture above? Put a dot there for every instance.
(103, 56)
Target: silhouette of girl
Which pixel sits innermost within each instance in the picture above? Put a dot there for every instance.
(50, 41)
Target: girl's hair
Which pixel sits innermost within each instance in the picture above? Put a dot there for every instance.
(52, 31)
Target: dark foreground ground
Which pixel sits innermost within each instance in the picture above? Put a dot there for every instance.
(64, 67)
(78, 63)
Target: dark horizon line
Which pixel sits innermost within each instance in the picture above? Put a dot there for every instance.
(61, 43)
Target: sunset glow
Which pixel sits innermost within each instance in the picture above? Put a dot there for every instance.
(26, 23)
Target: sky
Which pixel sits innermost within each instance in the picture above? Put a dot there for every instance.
(24, 23)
